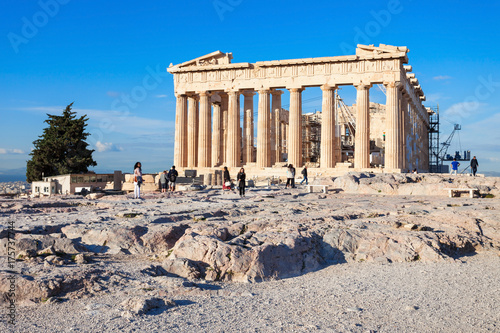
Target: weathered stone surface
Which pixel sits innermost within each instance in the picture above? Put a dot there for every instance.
(141, 305)
(183, 267)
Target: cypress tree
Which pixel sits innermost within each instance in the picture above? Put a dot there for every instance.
(61, 149)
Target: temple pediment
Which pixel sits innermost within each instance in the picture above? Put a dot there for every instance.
(214, 58)
(381, 49)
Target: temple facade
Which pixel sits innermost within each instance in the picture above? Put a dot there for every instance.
(215, 123)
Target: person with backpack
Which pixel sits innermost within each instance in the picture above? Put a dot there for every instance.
(304, 174)
(226, 180)
(172, 177)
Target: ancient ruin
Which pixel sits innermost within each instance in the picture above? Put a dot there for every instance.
(210, 134)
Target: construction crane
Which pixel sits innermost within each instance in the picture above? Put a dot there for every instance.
(346, 113)
(443, 152)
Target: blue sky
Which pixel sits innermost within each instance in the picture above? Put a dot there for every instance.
(110, 59)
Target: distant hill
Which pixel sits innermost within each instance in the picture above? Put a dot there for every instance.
(18, 171)
(491, 173)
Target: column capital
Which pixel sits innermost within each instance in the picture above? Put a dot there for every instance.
(248, 93)
(232, 92)
(363, 85)
(204, 93)
(263, 91)
(393, 84)
(180, 95)
(327, 87)
(277, 92)
(295, 89)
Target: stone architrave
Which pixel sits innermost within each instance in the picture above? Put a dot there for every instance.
(393, 137)
(294, 141)
(248, 126)
(263, 130)
(233, 123)
(362, 136)
(216, 135)
(204, 134)
(328, 137)
(192, 157)
(181, 132)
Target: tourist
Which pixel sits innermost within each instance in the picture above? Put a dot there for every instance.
(241, 181)
(172, 177)
(163, 181)
(289, 176)
(226, 180)
(454, 167)
(293, 176)
(473, 165)
(304, 174)
(137, 180)
(415, 171)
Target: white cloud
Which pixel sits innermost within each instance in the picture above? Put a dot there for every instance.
(462, 110)
(4, 151)
(441, 77)
(160, 96)
(106, 146)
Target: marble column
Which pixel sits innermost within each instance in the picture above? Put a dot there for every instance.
(192, 157)
(263, 130)
(275, 108)
(233, 123)
(224, 108)
(362, 136)
(248, 126)
(404, 131)
(294, 140)
(216, 135)
(327, 157)
(279, 136)
(392, 119)
(204, 132)
(181, 132)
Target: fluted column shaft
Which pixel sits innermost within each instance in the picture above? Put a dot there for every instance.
(192, 155)
(263, 130)
(393, 137)
(362, 136)
(248, 127)
(224, 107)
(233, 124)
(294, 140)
(181, 132)
(275, 108)
(327, 158)
(216, 135)
(204, 134)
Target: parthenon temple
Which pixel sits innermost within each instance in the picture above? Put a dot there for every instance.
(211, 129)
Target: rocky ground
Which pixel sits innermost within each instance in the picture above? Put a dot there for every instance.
(374, 255)
(11, 188)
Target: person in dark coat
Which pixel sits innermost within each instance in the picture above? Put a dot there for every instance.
(241, 177)
(473, 165)
(226, 183)
(172, 177)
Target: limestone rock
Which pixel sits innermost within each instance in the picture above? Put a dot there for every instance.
(141, 305)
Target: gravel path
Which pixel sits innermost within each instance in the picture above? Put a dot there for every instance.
(453, 296)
